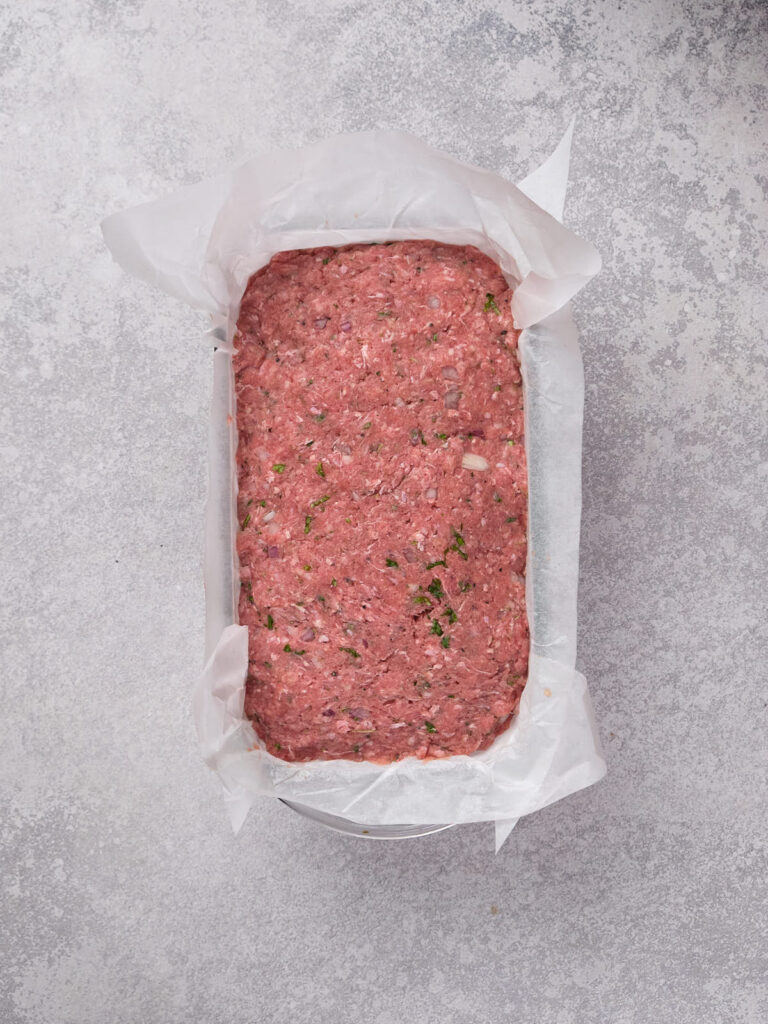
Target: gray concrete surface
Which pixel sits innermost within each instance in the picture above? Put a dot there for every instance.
(124, 896)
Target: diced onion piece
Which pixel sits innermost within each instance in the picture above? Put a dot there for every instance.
(470, 460)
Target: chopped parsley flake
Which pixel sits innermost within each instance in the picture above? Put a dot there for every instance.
(422, 599)
(392, 563)
(490, 304)
(367, 426)
(350, 650)
(436, 589)
(307, 568)
(320, 417)
(246, 520)
(437, 629)
(445, 642)
(450, 614)
(308, 444)
(384, 313)
(289, 650)
(465, 585)
(307, 524)
(497, 387)
(320, 470)
(279, 467)
(440, 561)
(458, 545)
(270, 622)
(430, 727)
(334, 582)
(326, 260)
(511, 519)
(497, 497)
(321, 501)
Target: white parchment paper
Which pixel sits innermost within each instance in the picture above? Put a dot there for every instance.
(201, 245)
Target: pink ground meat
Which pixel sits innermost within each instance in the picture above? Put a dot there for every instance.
(382, 500)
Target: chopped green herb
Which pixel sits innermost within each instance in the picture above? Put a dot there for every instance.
(321, 501)
(350, 650)
(392, 563)
(429, 727)
(320, 470)
(513, 680)
(497, 387)
(497, 497)
(511, 519)
(356, 748)
(307, 524)
(458, 545)
(445, 642)
(511, 442)
(279, 467)
(334, 582)
(490, 304)
(325, 261)
(443, 437)
(434, 337)
(384, 313)
(347, 520)
(366, 426)
(465, 585)
(308, 444)
(247, 519)
(436, 589)
(270, 622)
(450, 614)
(288, 649)
(310, 382)
(307, 568)
(320, 417)
(437, 629)
(440, 561)
(263, 502)
(422, 599)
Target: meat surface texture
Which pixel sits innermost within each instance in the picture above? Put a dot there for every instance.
(382, 502)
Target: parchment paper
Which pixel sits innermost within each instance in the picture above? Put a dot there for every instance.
(201, 245)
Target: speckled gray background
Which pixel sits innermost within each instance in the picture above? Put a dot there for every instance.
(124, 896)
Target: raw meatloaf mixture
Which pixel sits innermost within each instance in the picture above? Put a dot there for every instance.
(382, 500)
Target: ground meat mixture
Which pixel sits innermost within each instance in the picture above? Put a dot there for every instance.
(382, 501)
